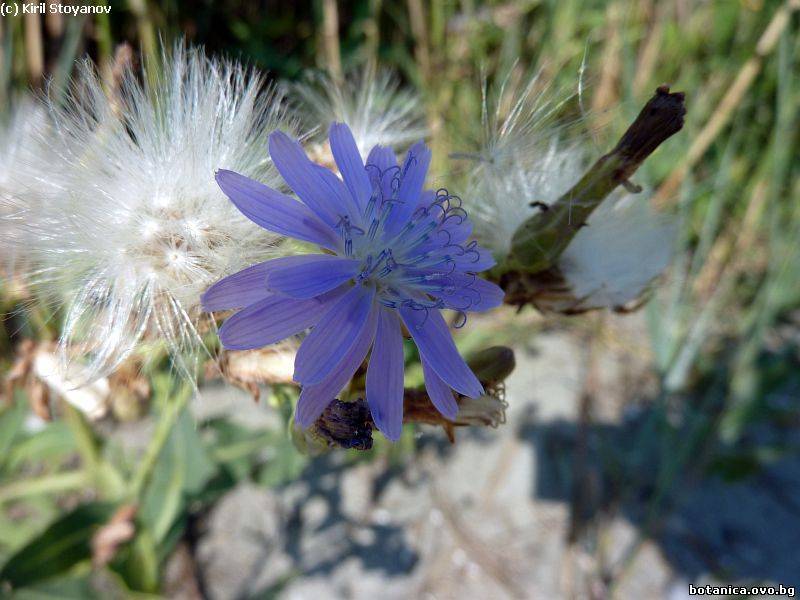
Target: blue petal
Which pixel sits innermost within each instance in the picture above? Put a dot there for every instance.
(459, 230)
(314, 398)
(475, 260)
(412, 179)
(312, 275)
(247, 286)
(340, 196)
(435, 343)
(317, 187)
(385, 376)
(382, 169)
(348, 159)
(470, 293)
(238, 290)
(334, 335)
(381, 159)
(270, 320)
(275, 211)
(439, 392)
(491, 295)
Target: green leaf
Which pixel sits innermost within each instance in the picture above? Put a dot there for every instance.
(47, 484)
(52, 443)
(182, 470)
(65, 543)
(11, 418)
(284, 464)
(67, 588)
(138, 563)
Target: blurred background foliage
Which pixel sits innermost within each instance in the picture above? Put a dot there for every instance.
(724, 328)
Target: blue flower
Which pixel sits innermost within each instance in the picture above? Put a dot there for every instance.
(393, 254)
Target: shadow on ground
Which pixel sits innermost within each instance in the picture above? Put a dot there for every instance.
(732, 512)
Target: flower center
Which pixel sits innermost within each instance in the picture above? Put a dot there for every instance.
(418, 262)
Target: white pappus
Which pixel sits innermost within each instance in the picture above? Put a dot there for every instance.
(526, 159)
(133, 227)
(21, 150)
(372, 103)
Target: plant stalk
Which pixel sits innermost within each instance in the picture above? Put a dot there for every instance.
(541, 239)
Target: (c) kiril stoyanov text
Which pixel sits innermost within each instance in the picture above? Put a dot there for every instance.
(42, 8)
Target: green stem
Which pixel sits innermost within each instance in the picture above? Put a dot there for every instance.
(146, 30)
(167, 419)
(541, 239)
(49, 484)
(106, 478)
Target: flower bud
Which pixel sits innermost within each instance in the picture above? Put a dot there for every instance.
(492, 364)
(346, 425)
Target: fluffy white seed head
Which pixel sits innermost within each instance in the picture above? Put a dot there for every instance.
(20, 149)
(522, 156)
(525, 158)
(133, 227)
(502, 192)
(372, 103)
(626, 246)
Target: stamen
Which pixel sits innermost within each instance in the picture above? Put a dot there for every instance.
(347, 229)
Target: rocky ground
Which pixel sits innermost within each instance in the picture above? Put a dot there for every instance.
(553, 504)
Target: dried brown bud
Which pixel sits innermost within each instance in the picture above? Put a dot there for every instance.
(346, 424)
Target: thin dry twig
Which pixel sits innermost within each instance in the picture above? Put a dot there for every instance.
(330, 36)
(34, 46)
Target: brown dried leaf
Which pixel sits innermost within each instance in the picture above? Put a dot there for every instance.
(108, 539)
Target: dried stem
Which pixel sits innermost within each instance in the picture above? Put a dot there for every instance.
(330, 33)
(34, 47)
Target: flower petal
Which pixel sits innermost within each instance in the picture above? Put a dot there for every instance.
(275, 211)
(334, 335)
(439, 392)
(382, 169)
(270, 320)
(381, 158)
(316, 186)
(315, 274)
(475, 260)
(348, 159)
(385, 376)
(238, 290)
(339, 196)
(314, 398)
(247, 286)
(412, 179)
(470, 293)
(459, 231)
(491, 295)
(434, 341)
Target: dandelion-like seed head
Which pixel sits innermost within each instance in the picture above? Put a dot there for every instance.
(612, 262)
(525, 163)
(505, 191)
(372, 102)
(133, 227)
(20, 156)
(395, 254)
